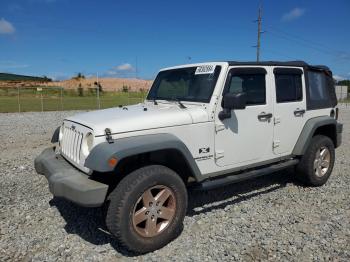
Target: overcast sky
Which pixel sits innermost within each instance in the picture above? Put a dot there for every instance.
(59, 38)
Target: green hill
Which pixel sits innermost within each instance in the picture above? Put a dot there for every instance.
(14, 77)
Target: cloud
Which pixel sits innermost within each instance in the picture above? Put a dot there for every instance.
(124, 67)
(121, 70)
(338, 77)
(12, 65)
(6, 27)
(58, 76)
(111, 72)
(343, 55)
(293, 14)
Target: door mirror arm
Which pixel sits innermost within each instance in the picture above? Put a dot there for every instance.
(225, 113)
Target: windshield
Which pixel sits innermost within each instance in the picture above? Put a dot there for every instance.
(185, 84)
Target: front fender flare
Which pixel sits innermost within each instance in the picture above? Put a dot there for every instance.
(125, 147)
(55, 135)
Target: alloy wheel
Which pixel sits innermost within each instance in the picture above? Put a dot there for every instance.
(322, 161)
(154, 211)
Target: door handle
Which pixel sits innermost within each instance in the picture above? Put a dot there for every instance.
(299, 112)
(264, 116)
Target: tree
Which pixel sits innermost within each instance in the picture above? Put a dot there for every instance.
(46, 79)
(79, 76)
(344, 83)
(98, 84)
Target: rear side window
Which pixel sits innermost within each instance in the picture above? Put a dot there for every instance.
(288, 85)
(317, 86)
(321, 93)
(251, 81)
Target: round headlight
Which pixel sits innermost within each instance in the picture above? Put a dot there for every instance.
(88, 143)
(60, 136)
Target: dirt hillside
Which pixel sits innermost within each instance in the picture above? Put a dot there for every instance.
(108, 84)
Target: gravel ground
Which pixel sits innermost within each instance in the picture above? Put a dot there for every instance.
(270, 218)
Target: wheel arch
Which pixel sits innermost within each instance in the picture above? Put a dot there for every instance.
(165, 149)
(323, 125)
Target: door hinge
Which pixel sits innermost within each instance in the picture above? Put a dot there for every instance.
(276, 143)
(276, 120)
(219, 154)
(219, 127)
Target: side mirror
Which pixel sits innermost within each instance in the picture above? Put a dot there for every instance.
(232, 101)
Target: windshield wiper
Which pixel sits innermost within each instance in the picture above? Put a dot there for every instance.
(152, 99)
(179, 102)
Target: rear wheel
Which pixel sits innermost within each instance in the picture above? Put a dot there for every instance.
(147, 208)
(317, 163)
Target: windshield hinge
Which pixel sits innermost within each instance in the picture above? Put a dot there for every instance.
(109, 136)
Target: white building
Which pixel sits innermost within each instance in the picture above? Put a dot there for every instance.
(342, 92)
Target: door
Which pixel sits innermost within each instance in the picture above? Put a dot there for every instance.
(247, 136)
(289, 108)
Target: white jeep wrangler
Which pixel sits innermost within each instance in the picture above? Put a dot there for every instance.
(204, 125)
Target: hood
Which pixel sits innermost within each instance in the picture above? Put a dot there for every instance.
(140, 117)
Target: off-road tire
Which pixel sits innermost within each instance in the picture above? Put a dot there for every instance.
(305, 169)
(125, 196)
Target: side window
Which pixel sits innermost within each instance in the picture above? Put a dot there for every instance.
(320, 90)
(288, 87)
(253, 84)
(317, 86)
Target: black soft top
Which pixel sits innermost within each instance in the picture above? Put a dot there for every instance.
(284, 63)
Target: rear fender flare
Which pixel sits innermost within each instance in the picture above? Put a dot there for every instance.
(308, 131)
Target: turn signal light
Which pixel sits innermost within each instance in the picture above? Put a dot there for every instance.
(112, 162)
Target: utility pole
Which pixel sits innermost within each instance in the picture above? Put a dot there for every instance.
(19, 100)
(136, 69)
(98, 92)
(259, 33)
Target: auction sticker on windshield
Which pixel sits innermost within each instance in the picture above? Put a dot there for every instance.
(205, 69)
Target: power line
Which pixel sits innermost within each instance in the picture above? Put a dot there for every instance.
(309, 44)
(280, 53)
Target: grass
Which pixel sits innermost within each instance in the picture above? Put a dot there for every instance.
(31, 101)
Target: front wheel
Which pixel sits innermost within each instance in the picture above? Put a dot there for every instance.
(147, 208)
(317, 163)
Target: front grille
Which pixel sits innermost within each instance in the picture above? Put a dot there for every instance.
(71, 143)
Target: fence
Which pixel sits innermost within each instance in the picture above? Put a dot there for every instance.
(58, 99)
(342, 93)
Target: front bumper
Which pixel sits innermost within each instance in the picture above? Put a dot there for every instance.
(68, 182)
